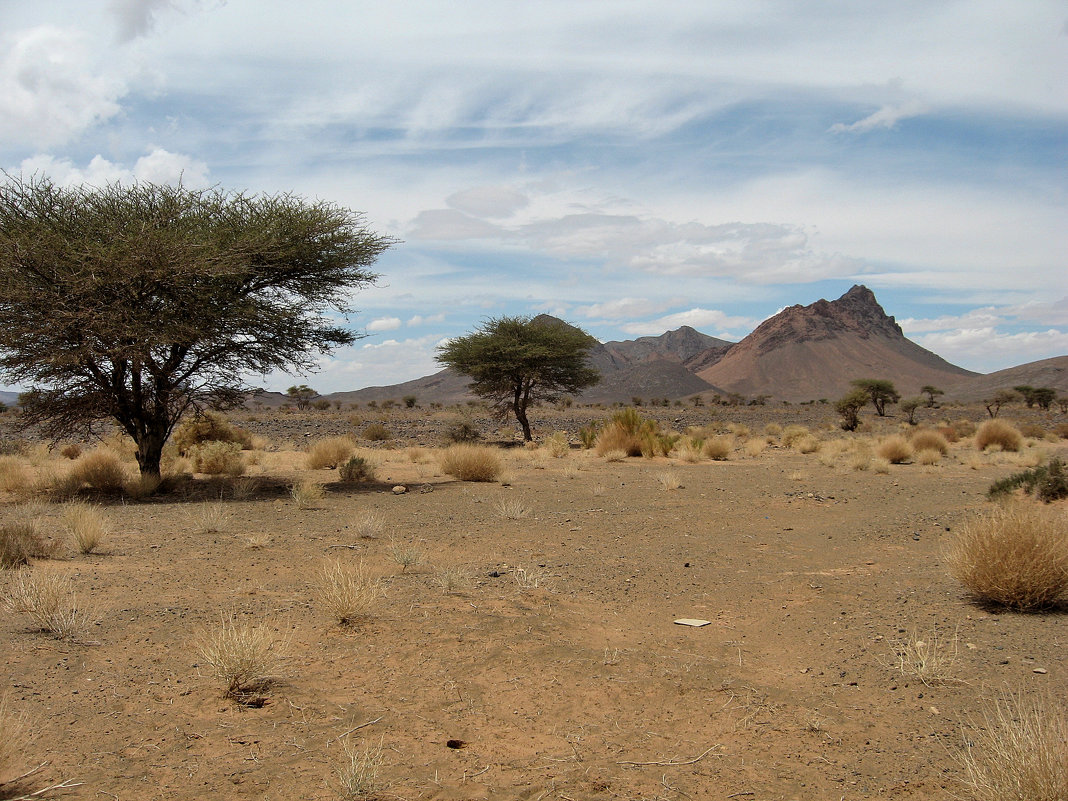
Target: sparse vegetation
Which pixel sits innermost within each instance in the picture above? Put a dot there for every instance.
(357, 469)
(357, 774)
(101, 469)
(207, 427)
(20, 541)
(513, 509)
(1014, 556)
(307, 494)
(246, 656)
(215, 458)
(87, 525)
(329, 453)
(895, 449)
(1047, 482)
(49, 601)
(376, 432)
(406, 554)
(718, 448)
(929, 439)
(931, 658)
(347, 592)
(13, 738)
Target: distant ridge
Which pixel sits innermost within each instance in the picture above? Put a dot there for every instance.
(1052, 373)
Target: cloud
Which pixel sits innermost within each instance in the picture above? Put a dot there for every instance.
(420, 319)
(701, 319)
(51, 89)
(488, 201)
(384, 324)
(136, 17)
(886, 117)
(622, 308)
(987, 349)
(449, 224)
(159, 166)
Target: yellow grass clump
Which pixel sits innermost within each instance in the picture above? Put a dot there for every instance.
(895, 449)
(928, 439)
(347, 592)
(792, 433)
(718, 448)
(246, 656)
(329, 453)
(14, 474)
(1015, 556)
(998, 433)
(101, 469)
(20, 541)
(50, 602)
(87, 525)
(471, 462)
(218, 458)
(307, 493)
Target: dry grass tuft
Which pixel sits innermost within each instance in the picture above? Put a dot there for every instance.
(370, 526)
(406, 554)
(880, 465)
(329, 453)
(87, 525)
(513, 509)
(246, 656)
(101, 469)
(792, 433)
(932, 659)
(347, 592)
(755, 447)
(471, 463)
(929, 439)
(615, 456)
(50, 602)
(998, 433)
(210, 518)
(895, 449)
(556, 445)
(929, 456)
(357, 775)
(454, 577)
(13, 739)
(218, 459)
(1015, 556)
(806, 443)
(531, 578)
(21, 541)
(1018, 753)
(669, 480)
(718, 449)
(307, 494)
(14, 474)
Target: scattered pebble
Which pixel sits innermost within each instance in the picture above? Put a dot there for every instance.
(400, 489)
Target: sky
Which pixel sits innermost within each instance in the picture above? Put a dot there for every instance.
(628, 166)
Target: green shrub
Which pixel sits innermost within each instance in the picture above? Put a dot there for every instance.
(1047, 482)
(588, 435)
(357, 469)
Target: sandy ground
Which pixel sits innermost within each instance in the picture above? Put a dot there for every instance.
(811, 574)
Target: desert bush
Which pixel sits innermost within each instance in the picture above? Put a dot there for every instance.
(718, 448)
(87, 525)
(72, 450)
(792, 433)
(964, 427)
(669, 481)
(1018, 753)
(629, 432)
(557, 445)
(895, 449)
(141, 487)
(246, 656)
(453, 577)
(773, 430)
(513, 509)
(1061, 430)
(100, 469)
(461, 431)
(1015, 556)
(615, 455)
(755, 447)
(928, 456)
(880, 465)
(616, 438)
(217, 458)
(329, 453)
(207, 427)
(929, 439)
(949, 433)
(806, 444)
(739, 430)
(307, 493)
(588, 435)
(1047, 482)
(376, 432)
(405, 554)
(346, 592)
(21, 541)
(471, 463)
(688, 449)
(998, 433)
(930, 658)
(50, 602)
(370, 526)
(356, 470)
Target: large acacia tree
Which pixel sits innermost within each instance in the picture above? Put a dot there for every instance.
(515, 361)
(139, 303)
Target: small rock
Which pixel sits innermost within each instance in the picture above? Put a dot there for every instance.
(400, 489)
(1039, 670)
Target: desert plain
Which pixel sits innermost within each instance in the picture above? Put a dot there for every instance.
(524, 644)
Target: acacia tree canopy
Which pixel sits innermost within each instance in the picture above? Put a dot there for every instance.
(880, 392)
(515, 361)
(138, 303)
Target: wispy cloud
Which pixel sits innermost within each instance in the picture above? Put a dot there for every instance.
(886, 117)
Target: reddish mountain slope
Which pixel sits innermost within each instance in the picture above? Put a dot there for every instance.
(811, 352)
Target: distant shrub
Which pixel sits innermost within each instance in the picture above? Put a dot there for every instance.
(964, 427)
(471, 463)
(806, 444)
(217, 458)
(461, 431)
(357, 469)
(950, 433)
(1032, 431)
(792, 433)
(718, 448)
(72, 450)
(929, 439)
(1000, 433)
(895, 449)
(1015, 556)
(629, 432)
(376, 432)
(1046, 482)
(773, 430)
(1061, 430)
(100, 469)
(329, 453)
(208, 427)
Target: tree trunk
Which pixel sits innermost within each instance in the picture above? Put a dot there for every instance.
(519, 406)
(149, 453)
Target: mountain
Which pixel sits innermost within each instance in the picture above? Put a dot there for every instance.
(680, 345)
(1052, 373)
(815, 351)
(9, 398)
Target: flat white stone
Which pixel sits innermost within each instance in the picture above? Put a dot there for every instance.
(691, 621)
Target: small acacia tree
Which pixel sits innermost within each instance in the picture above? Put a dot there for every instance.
(849, 407)
(138, 303)
(932, 393)
(997, 400)
(515, 361)
(880, 393)
(302, 395)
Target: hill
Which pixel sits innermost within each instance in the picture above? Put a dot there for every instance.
(815, 351)
(1052, 373)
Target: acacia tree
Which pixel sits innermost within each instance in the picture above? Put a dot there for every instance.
(139, 303)
(931, 392)
(515, 361)
(849, 407)
(302, 395)
(880, 392)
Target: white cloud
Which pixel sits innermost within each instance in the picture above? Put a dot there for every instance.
(384, 324)
(488, 201)
(623, 308)
(449, 224)
(420, 319)
(136, 17)
(987, 349)
(51, 87)
(984, 318)
(701, 319)
(886, 117)
(159, 166)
